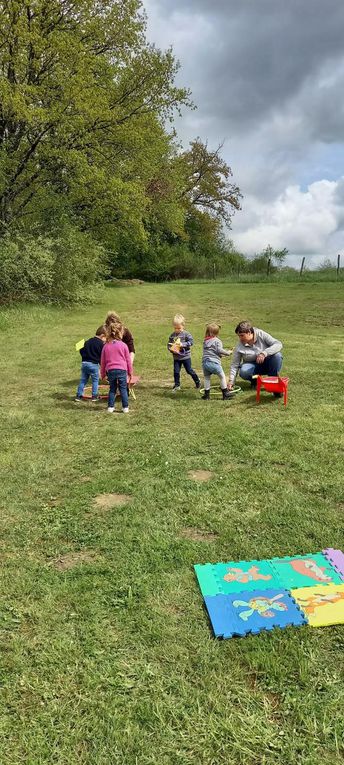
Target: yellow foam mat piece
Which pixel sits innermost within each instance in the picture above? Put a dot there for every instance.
(322, 605)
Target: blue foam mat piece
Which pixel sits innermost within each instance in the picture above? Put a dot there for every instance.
(252, 612)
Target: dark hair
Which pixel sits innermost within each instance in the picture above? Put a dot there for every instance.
(101, 331)
(244, 326)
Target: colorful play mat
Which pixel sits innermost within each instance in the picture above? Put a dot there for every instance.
(245, 597)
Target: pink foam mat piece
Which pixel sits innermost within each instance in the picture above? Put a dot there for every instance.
(336, 557)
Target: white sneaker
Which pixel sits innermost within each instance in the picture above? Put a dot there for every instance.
(175, 388)
(126, 410)
(111, 409)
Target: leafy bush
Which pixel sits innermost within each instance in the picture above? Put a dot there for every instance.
(26, 270)
(58, 269)
(79, 262)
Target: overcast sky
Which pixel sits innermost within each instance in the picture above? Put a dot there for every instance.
(268, 78)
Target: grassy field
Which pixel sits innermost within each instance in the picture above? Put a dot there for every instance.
(107, 657)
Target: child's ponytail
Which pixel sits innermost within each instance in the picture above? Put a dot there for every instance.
(114, 330)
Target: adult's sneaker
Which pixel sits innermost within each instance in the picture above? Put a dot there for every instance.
(125, 410)
(198, 384)
(77, 400)
(175, 388)
(111, 409)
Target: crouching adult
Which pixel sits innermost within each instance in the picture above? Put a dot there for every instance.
(257, 353)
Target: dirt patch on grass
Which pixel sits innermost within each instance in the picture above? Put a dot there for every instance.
(200, 475)
(198, 535)
(85, 479)
(72, 559)
(340, 506)
(108, 501)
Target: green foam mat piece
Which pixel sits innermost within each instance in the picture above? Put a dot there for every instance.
(305, 570)
(236, 576)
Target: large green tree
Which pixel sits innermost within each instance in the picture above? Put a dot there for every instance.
(82, 100)
(206, 182)
(86, 151)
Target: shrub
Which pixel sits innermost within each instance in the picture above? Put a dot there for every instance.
(60, 269)
(79, 262)
(26, 270)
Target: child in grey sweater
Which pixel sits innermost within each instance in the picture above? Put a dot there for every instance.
(211, 361)
(179, 344)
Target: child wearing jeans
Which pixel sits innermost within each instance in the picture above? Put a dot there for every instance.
(90, 354)
(116, 362)
(179, 344)
(211, 361)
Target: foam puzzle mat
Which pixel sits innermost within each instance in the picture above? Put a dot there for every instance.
(246, 597)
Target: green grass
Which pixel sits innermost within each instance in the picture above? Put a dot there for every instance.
(112, 662)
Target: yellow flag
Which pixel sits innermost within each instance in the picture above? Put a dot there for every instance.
(79, 345)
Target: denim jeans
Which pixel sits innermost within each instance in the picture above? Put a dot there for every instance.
(88, 369)
(118, 377)
(270, 366)
(213, 368)
(186, 363)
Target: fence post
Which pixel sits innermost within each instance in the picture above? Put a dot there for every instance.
(268, 267)
(338, 264)
(302, 265)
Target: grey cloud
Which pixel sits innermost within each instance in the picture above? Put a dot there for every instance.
(259, 52)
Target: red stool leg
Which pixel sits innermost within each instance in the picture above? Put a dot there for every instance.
(285, 393)
(259, 385)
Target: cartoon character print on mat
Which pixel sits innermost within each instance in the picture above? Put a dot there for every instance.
(311, 569)
(320, 599)
(264, 606)
(251, 575)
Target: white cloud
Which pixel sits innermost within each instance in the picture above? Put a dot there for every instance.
(305, 222)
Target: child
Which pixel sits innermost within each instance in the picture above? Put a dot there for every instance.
(179, 344)
(211, 361)
(116, 361)
(127, 338)
(90, 354)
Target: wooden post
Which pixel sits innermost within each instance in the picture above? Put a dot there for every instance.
(302, 265)
(268, 267)
(338, 264)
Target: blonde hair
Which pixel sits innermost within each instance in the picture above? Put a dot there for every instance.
(114, 330)
(111, 317)
(179, 319)
(212, 330)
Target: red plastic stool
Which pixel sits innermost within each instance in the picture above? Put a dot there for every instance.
(273, 385)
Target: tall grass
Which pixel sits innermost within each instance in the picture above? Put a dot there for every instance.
(279, 277)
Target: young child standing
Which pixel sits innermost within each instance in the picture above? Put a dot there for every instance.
(90, 354)
(179, 344)
(211, 361)
(116, 362)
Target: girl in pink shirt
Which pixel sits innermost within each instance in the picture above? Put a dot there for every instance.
(116, 363)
